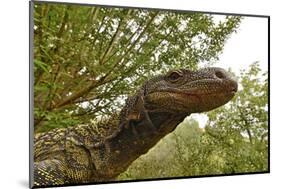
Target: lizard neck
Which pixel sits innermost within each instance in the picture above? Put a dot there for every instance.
(120, 150)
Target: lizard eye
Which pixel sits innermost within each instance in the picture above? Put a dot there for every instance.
(174, 76)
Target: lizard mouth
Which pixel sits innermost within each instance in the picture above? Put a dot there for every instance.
(195, 91)
(197, 96)
(198, 87)
(214, 87)
(200, 93)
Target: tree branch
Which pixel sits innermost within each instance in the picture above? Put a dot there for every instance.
(114, 37)
(131, 47)
(127, 43)
(61, 29)
(73, 97)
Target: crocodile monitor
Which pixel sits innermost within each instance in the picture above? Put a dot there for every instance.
(99, 153)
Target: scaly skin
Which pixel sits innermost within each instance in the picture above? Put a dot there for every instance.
(99, 153)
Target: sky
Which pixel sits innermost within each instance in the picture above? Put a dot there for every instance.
(247, 45)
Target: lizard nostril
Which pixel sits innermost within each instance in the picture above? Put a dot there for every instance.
(235, 87)
(220, 75)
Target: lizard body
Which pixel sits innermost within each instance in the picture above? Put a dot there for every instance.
(86, 154)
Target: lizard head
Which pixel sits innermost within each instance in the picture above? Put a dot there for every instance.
(185, 91)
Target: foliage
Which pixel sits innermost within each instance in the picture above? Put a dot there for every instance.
(171, 157)
(235, 139)
(239, 130)
(87, 59)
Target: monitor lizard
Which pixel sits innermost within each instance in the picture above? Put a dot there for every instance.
(85, 154)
